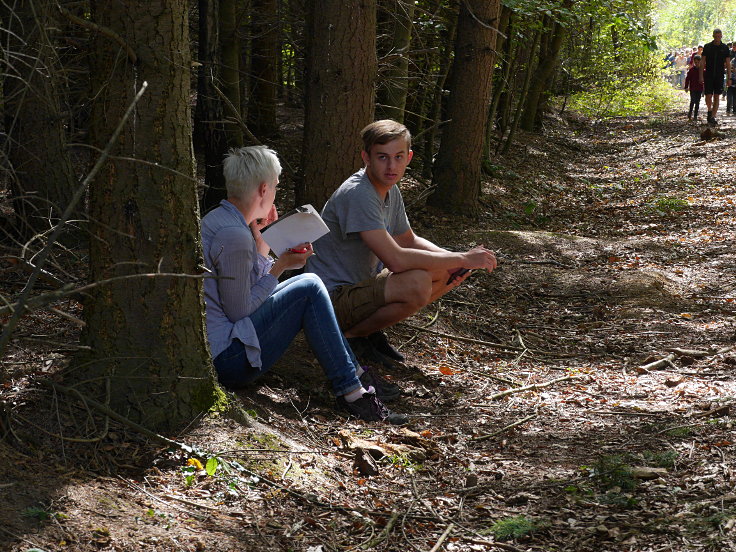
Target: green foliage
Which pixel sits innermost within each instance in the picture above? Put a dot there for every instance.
(665, 459)
(668, 205)
(688, 23)
(38, 513)
(513, 528)
(613, 471)
(403, 461)
(625, 97)
(679, 432)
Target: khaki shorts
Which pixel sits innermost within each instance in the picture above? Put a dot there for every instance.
(355, 303)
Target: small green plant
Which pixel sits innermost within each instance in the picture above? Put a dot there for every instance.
(405, 462)
(613, 471)
(665, 459)
(38, 513)
(679, 432)
(618, 499)
(513, 528)
(667, 205)
(41, 513)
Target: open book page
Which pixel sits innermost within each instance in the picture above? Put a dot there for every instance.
(303, 224)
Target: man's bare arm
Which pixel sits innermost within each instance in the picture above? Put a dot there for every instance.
(400, 259)
(409, 240)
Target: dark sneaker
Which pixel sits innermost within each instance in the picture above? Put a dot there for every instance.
(370, 408)
(385, 390)
(380, 342)
(367, 353)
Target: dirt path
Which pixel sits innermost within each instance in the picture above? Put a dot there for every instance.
(616, 243)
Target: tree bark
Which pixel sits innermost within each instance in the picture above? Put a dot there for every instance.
(458, 165)
(394, 86)
(230, 72)
(146, 336)
(210, 131)
(339, 97)
(41, 177)
(263, 69)
(542, 77)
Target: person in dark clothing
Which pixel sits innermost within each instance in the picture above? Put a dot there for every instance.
(716, 57)
(731, 91)
(693, 83)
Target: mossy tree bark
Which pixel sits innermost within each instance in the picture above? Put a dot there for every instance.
(339, 94)
(41, 177)
(457, 169)
(146, 335)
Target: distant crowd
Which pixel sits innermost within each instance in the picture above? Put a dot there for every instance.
(708, 69)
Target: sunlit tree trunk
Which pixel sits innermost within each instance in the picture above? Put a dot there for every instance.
(458, 166)
(341, 70)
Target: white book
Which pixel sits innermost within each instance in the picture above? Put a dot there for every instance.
(301, 225)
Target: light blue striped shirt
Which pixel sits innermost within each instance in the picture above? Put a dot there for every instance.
(242, 280)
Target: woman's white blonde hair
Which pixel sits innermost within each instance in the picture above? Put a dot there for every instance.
(245, 168)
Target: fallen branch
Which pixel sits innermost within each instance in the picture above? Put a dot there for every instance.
(383, 535)
(531, 387)
(505, 429)
(661, 363)
(485, 343)
(443, 538)
(66, 215)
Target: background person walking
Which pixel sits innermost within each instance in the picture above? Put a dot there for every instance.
(716, 57)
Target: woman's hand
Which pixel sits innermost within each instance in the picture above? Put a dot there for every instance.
(257, 225)
(293, 258)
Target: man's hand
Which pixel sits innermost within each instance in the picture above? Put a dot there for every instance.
(480, 258)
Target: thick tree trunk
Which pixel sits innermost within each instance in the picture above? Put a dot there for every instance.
(146, 335)
(263, 69)
(230, 72)
(210, 131)
(341, 71)
(41, 176)
(392, 91)
(542, 77)
(458, 165)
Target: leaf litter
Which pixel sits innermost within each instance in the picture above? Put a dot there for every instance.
(578, 398)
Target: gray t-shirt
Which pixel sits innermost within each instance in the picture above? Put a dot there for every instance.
(342, 258)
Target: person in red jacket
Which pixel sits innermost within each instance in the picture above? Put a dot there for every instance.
(695, 85)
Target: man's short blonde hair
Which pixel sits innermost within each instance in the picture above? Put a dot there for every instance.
(383, 132)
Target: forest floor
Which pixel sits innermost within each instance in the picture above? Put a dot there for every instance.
(615, 296)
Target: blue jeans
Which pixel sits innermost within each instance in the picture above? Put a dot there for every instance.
(298, 303)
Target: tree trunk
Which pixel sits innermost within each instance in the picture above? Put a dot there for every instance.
(542, 78)
(263, 69)
(502, 44)
(41, 177)
(532, 54)
(435, 110)
(458, 165)
(210, 131)
(146, 335)
(230, 73)
(341, 71)
(399, 15)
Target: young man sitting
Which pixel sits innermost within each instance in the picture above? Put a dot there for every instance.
(378, 272)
